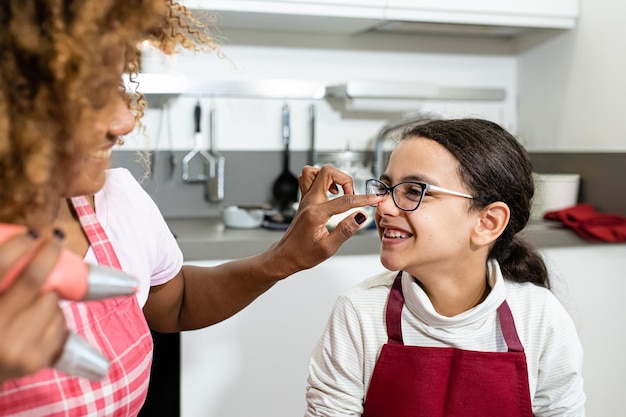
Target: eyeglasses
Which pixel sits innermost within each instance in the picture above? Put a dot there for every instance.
(407, 196)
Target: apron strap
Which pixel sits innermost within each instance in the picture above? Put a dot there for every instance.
(393, 319)
(98, 239)
(507, 325)
(395, 302)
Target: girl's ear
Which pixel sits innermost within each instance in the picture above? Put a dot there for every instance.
(491, 222)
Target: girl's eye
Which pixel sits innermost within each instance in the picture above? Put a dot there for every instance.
(412, 192)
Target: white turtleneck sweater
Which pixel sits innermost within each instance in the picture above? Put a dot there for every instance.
(343, 360)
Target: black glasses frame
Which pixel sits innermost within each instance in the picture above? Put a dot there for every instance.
(424, 186)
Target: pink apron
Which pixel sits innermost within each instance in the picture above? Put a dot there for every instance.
(416, 381)
(119, 329)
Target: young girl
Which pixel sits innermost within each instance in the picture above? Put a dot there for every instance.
(465, 325)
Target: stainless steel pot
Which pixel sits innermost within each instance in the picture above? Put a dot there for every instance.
(355, 164)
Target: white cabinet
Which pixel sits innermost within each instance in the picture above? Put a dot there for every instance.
(256, 362)
(516, 13)
(591, 284)
(354, 16)
(321, 16)
(339, 8)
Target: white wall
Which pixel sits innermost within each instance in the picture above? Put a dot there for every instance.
(572, 87)
(254, 124)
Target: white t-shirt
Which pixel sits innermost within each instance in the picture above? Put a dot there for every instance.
(343, 360)
(144, 244)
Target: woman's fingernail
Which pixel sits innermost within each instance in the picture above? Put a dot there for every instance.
(60, 234)
(360, 218)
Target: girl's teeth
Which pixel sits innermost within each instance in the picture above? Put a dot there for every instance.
(393, 235)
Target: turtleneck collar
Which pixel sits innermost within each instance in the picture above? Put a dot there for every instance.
(420, 305)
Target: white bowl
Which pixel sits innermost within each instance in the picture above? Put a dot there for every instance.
(554, 192)
(235, 217)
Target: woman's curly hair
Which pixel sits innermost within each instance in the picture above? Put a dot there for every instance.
(54, 72)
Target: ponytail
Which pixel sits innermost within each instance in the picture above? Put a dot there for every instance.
(520, 262)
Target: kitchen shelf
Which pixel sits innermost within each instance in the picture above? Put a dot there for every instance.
(348, 96)
(411, 91)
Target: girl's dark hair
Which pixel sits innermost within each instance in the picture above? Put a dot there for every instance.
(496, 167)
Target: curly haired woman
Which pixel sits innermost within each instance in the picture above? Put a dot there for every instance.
(63, 107)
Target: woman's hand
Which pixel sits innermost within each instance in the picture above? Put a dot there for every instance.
(32, 326)
(308, 242)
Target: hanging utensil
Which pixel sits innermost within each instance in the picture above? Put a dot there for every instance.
(311, 160)
(215, 180)
(154, 155)
(164, 120)
(286, 186)
(196, 153)
(172, 156)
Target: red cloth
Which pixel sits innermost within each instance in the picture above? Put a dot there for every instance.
(585, 221)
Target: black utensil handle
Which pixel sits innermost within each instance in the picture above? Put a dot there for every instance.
(286, 126)
(197, 114)
(286, 160)
(312, 117)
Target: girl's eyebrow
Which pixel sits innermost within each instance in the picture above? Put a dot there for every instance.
(412, 178)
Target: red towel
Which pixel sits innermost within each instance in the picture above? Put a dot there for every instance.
(591, 225)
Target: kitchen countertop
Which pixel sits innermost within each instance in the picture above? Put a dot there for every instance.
(208, 239)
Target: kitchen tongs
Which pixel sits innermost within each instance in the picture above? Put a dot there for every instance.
(212, 171)
(196, 152)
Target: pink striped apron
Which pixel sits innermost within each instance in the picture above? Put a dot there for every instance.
(117, 326)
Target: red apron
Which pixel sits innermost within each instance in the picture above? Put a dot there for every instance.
(119, 329)
(416, 381)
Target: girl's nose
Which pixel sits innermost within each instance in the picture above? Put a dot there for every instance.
(387, 206)
(122, 120)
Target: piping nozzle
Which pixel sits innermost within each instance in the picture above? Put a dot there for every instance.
(71, 277)
(103, 282)
(81, 359)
